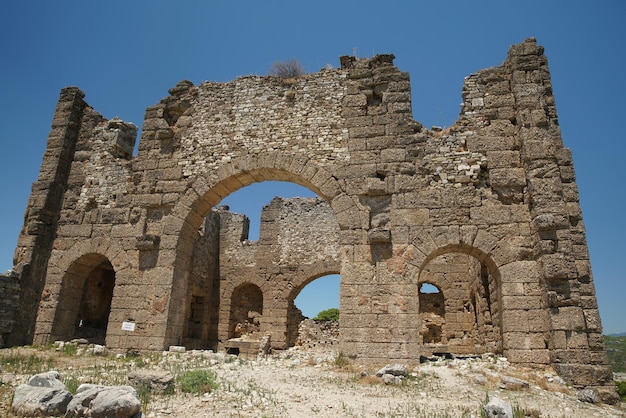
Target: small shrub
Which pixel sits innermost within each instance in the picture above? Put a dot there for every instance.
(341, 360)
(72, 384)
(287, 69)
(198, 381)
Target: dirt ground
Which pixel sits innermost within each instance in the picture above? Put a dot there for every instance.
(310, 383)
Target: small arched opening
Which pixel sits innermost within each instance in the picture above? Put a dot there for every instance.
(320, 294)
(246, 312)
(85, 300)
(432, 311)
(459, 304)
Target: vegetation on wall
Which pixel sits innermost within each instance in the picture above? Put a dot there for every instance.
(287, 69)
(331, 314)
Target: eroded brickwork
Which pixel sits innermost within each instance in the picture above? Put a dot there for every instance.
(485, 210)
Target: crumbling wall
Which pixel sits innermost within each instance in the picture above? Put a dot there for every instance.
(297, 244)
(497, 187)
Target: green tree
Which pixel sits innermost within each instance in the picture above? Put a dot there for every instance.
(331, 314)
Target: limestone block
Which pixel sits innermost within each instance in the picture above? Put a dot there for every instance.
(479, 143)
(592, 319)
(557, 267)
(529, 357)
(577, 340)
(567, 318)
(503, 159)
(75, 231)
(520, 272)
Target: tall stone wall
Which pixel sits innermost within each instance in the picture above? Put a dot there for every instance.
(497, 189)
(9, 302)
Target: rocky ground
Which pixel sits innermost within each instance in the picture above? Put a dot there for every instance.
(308, 383)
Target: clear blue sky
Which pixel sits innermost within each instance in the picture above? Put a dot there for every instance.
(126, 54)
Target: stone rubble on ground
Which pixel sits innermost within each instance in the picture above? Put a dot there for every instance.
(43, 395)
(498, 408)
(46, 395)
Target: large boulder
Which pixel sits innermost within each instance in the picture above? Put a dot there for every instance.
(46, 380)
(105, 402)
(43, 395)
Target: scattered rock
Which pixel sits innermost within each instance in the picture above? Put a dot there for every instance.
(498, 408)
(513, 383)
(177, 349)
(43, 395)
(390, 379)
(105, 402)
(46, 380)
(394, 370)
(157, 381)
(589, 395)
(480, 379)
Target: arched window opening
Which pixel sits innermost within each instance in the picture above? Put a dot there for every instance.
(305, 325)
(432, 313)
(246, 312)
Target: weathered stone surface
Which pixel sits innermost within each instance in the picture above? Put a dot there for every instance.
(105, 401)
(156, 381)
(394, 370)
(588, 395)
(486, 211)
(40, 401)
(499, 408)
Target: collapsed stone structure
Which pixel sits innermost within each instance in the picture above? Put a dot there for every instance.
(486, 211)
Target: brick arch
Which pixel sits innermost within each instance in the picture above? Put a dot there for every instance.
(204, 192)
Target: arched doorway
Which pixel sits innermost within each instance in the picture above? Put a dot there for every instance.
(432, 311)
(459, 304)
(85, 300)
(313, 296)
(210, 194)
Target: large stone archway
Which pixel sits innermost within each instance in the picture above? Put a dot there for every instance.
(342, 213)
(498, 187)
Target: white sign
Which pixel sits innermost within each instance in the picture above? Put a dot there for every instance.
(128, 326)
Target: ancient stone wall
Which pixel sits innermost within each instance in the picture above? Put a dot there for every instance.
(298, 243)
(495, 193)
(9, 302)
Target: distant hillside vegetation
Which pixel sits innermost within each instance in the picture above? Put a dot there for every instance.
(616, 350)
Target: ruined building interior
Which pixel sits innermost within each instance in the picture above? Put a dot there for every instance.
(461, 240)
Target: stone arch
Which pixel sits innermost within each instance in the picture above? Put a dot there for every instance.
(294, 315)
(85, 298)
(470, 286)
(58, 316)
(207, 191)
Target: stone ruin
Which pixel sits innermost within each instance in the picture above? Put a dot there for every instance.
(133, 251)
